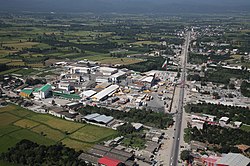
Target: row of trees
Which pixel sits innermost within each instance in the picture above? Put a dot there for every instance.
(29, 153)
(235, 113)
(222, 139)
(152, 63)
(147, 117)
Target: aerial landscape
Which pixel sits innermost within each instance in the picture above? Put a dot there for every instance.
(125, 83)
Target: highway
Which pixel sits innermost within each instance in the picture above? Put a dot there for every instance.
(179, 112)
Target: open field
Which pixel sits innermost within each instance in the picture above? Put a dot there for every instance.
(113, 60)
(49, 132)
(9, 71)
(19, 46)
(92, 133)
(76, 144)
(25, 123)
(17, 123)
(60, 124)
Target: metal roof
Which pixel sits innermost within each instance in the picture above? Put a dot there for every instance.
(103, 118)
(234, 159)
(45, 88)
(91, 116)
(109, 90)
(27, 91)
(88, 93)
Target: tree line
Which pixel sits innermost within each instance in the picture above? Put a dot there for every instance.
(147, 117)
(27, 152)
(233, 112)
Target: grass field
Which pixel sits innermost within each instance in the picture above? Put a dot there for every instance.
(9, 71)
(19, 46)
(92, 133)
(49, 132)
(17, 123)
(60, 124)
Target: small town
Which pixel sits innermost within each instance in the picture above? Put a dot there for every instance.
(87, 94)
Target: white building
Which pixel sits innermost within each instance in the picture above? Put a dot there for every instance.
(43, 92)
(108, 70)
(105, 93)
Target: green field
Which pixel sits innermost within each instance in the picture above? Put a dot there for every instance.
(92, 133)
(17, 123)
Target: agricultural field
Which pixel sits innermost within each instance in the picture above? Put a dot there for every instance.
(17, 123)
(92, 133)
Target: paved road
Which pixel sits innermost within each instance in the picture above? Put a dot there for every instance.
(178, 123)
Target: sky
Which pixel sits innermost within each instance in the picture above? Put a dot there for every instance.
(127, 6)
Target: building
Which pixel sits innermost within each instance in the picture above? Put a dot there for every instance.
(108, 156)
(230, 159)
(223, 121)
(43, 92)
(117, 76)
(65, 86)
(98, 119)
(108, 70)
(26, 93)
(87, 94)
(102, 95)
(107, 161)
(233, 159)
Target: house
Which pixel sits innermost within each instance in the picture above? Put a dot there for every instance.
(137, 126)
(55, 111)
(223, 121)
(237, 124)
(26, 93)
(43, 92)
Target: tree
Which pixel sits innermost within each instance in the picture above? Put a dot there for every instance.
(185, 155)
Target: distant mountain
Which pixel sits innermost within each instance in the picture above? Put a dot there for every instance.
(128, 6)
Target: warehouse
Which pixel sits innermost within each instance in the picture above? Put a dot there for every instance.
(102, 95)
(98, 119)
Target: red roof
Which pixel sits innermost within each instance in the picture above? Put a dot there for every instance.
(108, 161)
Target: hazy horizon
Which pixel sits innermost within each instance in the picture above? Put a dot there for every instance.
(127, 6)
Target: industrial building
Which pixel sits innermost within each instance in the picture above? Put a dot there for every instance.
(97, 118)
(105, 93)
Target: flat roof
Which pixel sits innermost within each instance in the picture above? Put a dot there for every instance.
(105, 92)
(108, 69)
(118, 74)
(88, 93)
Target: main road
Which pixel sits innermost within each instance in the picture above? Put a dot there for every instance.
(178, 121)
